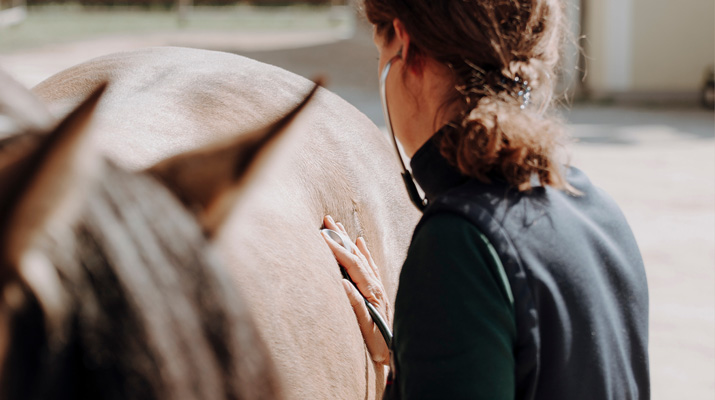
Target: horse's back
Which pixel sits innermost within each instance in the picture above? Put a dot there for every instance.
(165, 101)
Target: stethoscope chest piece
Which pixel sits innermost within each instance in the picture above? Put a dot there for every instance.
(376, 317)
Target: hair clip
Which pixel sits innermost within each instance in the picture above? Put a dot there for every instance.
(524, 92)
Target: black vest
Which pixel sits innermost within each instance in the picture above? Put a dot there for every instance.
(577, 276)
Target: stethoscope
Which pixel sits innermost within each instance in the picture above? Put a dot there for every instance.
(412, 191)
(415, 197)
(374, 314)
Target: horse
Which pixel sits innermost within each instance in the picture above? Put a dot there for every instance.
(108, 286)
(171, 111)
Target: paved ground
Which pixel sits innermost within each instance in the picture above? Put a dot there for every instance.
(658, 163)
(660, 167)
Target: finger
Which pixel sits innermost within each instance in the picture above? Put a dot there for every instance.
(358, 304)
(342, 254)
(362, 246)
(357, 270)
(373, 338)
(342, 228)
(329, 223)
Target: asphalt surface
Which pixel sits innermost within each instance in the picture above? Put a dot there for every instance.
(657, 162)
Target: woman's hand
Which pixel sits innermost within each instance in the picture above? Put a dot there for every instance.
(363, 271)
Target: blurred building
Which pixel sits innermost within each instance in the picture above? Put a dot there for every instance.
(645, 49)
(12, 12)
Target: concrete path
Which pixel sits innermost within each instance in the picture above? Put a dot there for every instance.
(659, 165)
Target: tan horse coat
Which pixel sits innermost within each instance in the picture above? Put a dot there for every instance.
(164, 101)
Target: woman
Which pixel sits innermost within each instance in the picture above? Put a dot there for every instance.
(523, 280)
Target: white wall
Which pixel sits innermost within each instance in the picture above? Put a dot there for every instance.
(570, 57)
(673, 42)
(648, 46)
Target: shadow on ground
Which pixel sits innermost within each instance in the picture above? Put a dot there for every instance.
(629, 125)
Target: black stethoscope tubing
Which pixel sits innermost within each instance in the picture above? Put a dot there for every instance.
(412, 191)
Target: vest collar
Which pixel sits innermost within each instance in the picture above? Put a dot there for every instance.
(432, 171)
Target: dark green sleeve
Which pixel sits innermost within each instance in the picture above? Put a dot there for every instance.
(454, 320)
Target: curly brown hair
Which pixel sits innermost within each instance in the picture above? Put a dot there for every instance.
(495, 49)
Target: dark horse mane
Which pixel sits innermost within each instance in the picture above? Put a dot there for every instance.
(147, 312)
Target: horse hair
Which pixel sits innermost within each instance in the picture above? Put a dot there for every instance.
(149, 313)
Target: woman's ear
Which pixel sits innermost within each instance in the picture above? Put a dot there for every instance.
(410, 55)
(402, 37)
